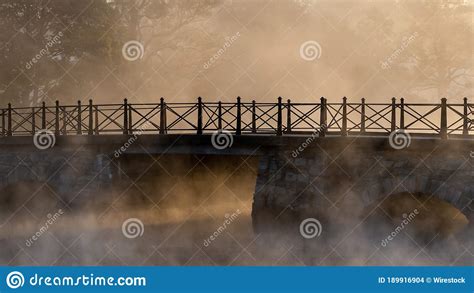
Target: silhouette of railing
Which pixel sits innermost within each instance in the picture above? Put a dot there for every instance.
(280, 118)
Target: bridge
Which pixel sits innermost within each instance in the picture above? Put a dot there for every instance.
(315, 160)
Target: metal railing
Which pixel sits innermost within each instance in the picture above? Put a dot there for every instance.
(281, 118)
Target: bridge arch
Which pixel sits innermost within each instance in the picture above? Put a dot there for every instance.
(461, 197)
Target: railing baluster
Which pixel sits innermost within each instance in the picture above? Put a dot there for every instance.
(56, 121)
(91, 120)
(288, 116)
(444, 120)
(125, 116)
(162, 116)
(238, 128)
(279, 118)
(394, 115)
(344, 117)
(323, 118)
(79, 118)
(402, 113)
(199, 116)
(465, 125)
(254, 118)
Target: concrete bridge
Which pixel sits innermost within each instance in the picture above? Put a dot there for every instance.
(340, 164)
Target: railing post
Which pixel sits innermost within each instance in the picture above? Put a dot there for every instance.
(323, 118)
(9, 120)
(362, 116)
(33, 120)
(56, 119)
(402, 113)
(162, 116)
(91, 120)
(199, 118)
(64, 121)
(43, 116)
(288, 116)
(279, 118)
(344, 117)
(219, 114)
(444, 120)
(79, 118)
(125, 116)
(238, 128)
(254, 118)
(3, 123)
(394, 115)
(130, 119)
(96, 126)
(465, 125)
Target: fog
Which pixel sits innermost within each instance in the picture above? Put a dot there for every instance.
(420, 50)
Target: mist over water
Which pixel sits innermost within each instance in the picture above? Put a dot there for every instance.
(197, 211)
